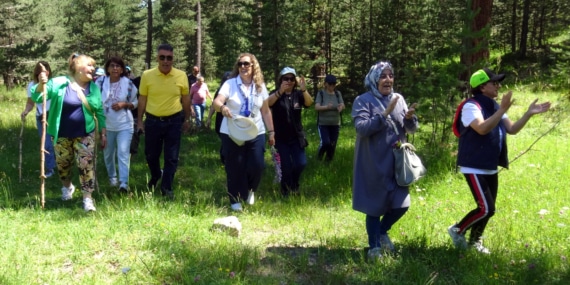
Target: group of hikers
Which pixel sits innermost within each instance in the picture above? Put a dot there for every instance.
(114, 109)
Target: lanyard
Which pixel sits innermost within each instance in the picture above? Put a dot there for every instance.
(248, 104)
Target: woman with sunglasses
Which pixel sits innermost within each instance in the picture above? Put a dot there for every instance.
(75, 111)
(119, 96)
(382, 120)
(287, 103)
(483, 129)
(244, 94)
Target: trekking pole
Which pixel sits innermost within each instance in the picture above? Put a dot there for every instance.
(21, 142)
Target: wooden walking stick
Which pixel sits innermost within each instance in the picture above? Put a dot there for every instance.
(42, 144)
(43, 150)
(21, 142)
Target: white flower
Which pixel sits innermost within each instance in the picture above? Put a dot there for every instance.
(543, 212)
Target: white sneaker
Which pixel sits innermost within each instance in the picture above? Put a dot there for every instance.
(250, 198)
(67, 193)
(49, 173)
(374, 254)
(88, 205)
(113, 181)
(480, 248)
(237, 207)
(458, 239)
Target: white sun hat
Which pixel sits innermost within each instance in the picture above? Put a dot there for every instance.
(241, 129)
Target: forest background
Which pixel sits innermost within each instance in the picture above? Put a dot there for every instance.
(433, 45)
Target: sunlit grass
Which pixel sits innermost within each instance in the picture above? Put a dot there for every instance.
(315, 238)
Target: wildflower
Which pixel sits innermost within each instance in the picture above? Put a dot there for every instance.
(126, 270)
(543, 212)
(197, 278)
(277, 161)
(232, 274)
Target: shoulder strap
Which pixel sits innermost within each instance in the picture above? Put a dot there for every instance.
(457, 117)
(337, 93)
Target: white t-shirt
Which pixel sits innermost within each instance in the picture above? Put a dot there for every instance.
(469, 113)
(236, 92)
(120, 91)
(39, 106)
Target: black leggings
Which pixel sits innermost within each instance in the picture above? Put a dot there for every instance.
(484, 190)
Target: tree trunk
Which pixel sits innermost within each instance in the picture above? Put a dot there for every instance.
(148, 54)
(476, 49)
(524, 29)
(199, 35)
(514, 26)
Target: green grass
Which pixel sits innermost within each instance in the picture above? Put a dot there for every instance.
(315, 238)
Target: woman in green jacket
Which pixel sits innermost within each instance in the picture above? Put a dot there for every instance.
(75, 112)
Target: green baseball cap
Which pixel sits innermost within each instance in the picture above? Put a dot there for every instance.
(483, 76)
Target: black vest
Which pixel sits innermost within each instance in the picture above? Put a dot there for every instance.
(487, 151)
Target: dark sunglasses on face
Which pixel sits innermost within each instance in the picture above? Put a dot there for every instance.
(244, 64)
(165, 57)
(289, 78)
(384, 76)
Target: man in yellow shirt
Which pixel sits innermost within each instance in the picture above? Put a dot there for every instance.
(167, 116)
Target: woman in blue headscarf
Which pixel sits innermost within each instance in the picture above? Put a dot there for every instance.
(382, 119)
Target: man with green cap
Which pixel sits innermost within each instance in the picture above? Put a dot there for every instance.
(483, 129)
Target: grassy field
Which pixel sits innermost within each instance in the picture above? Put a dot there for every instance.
(314, 238)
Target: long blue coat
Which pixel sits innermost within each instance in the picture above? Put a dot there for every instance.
(374, 178)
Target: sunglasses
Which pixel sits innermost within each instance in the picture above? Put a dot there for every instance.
(289, 78)
(384, 76)
(244, 64)
(166, 57)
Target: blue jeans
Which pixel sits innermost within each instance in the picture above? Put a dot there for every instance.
(329, 137)
(48, 145)
(293, 162)
(118, 145)
(199, 110)
(159, 135)
(244, 165)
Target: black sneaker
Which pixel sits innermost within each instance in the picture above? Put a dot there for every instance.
(169, 194)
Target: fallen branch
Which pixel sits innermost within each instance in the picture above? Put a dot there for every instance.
(535, 141)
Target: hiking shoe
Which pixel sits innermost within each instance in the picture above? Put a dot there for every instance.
(374, 254)
(237, 207)
(250, 198)
(67, 193)
(458, 239)
(478, 246)
(113, 181)
(123, 188)
(88, 205)
(386, 243)
(49, 173)
(168, 194)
